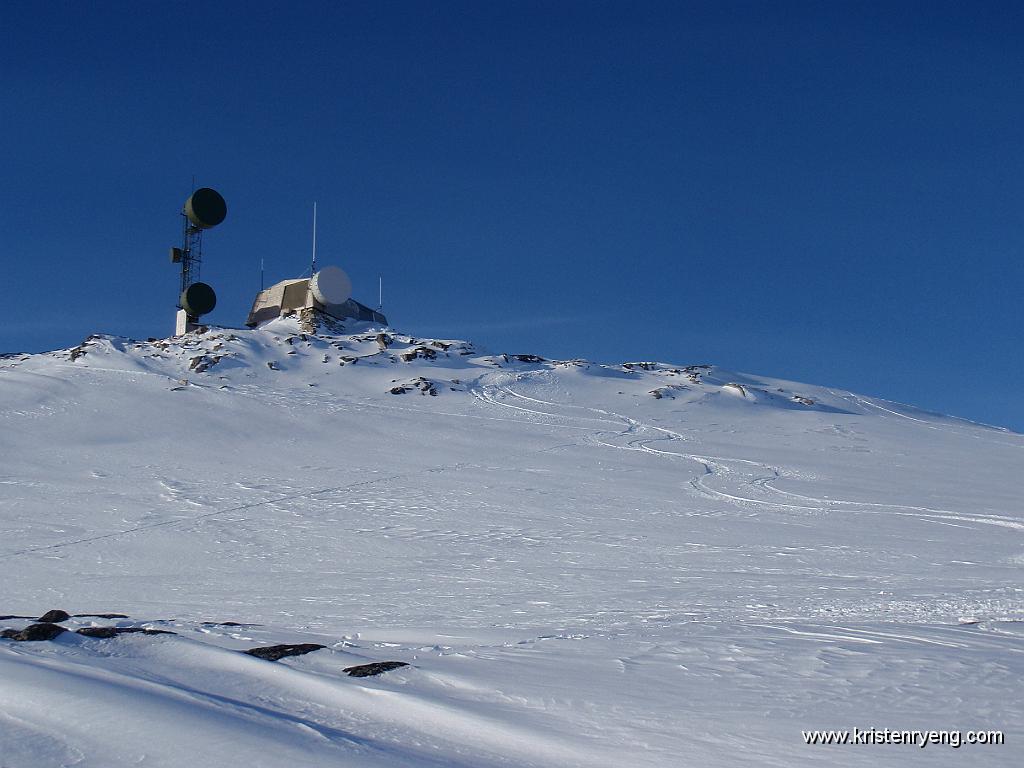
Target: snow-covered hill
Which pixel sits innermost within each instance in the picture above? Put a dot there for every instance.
(581, 564)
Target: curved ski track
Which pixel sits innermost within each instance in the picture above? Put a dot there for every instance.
(724, 470)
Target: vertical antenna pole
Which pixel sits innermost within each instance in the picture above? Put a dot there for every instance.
(380, 292)
(312, 268)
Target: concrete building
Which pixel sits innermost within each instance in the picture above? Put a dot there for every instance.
(295, 298)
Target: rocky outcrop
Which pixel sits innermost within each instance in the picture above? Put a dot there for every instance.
(423, 386)
(424, 352)
(376, 668)
(54, 616)
(106, 632)
(34, 632)
(275, 652)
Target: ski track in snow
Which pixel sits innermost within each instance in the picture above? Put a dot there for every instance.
(717, 468)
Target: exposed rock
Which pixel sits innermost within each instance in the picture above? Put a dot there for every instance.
(425, 387)
(54, 616)
(643, 366)
(97, 631)
(376, 668)
(668, 391)
(529, 358)
(425, 352)
(693, 372)
(101, 615)
(312, 321)
(227, 624)
(34, 632)
(105, 632)
(203, 363)
(275, 652)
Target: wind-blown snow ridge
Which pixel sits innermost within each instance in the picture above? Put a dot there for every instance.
(582, 563)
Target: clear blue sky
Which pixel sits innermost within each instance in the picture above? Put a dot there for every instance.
(829, 192)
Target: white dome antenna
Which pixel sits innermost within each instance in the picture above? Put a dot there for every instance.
(330, 286)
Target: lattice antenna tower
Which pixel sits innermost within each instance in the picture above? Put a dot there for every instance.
(203, 209)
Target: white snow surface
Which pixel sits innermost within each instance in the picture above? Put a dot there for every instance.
(582, 564)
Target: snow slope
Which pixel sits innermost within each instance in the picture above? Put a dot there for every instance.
(582, 564)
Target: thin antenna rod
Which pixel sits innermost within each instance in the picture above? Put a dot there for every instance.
(380, 292)
(312, 268)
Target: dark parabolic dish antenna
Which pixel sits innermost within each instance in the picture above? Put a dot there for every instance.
(205, 208)
(198, 299)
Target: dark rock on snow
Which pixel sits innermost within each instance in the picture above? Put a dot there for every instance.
(54, 616)
(105, 632)
(425, 352)
(227, 624)
(275, 652)
(425, 387)
(98, 631)
(34, 632)
(376, 668)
